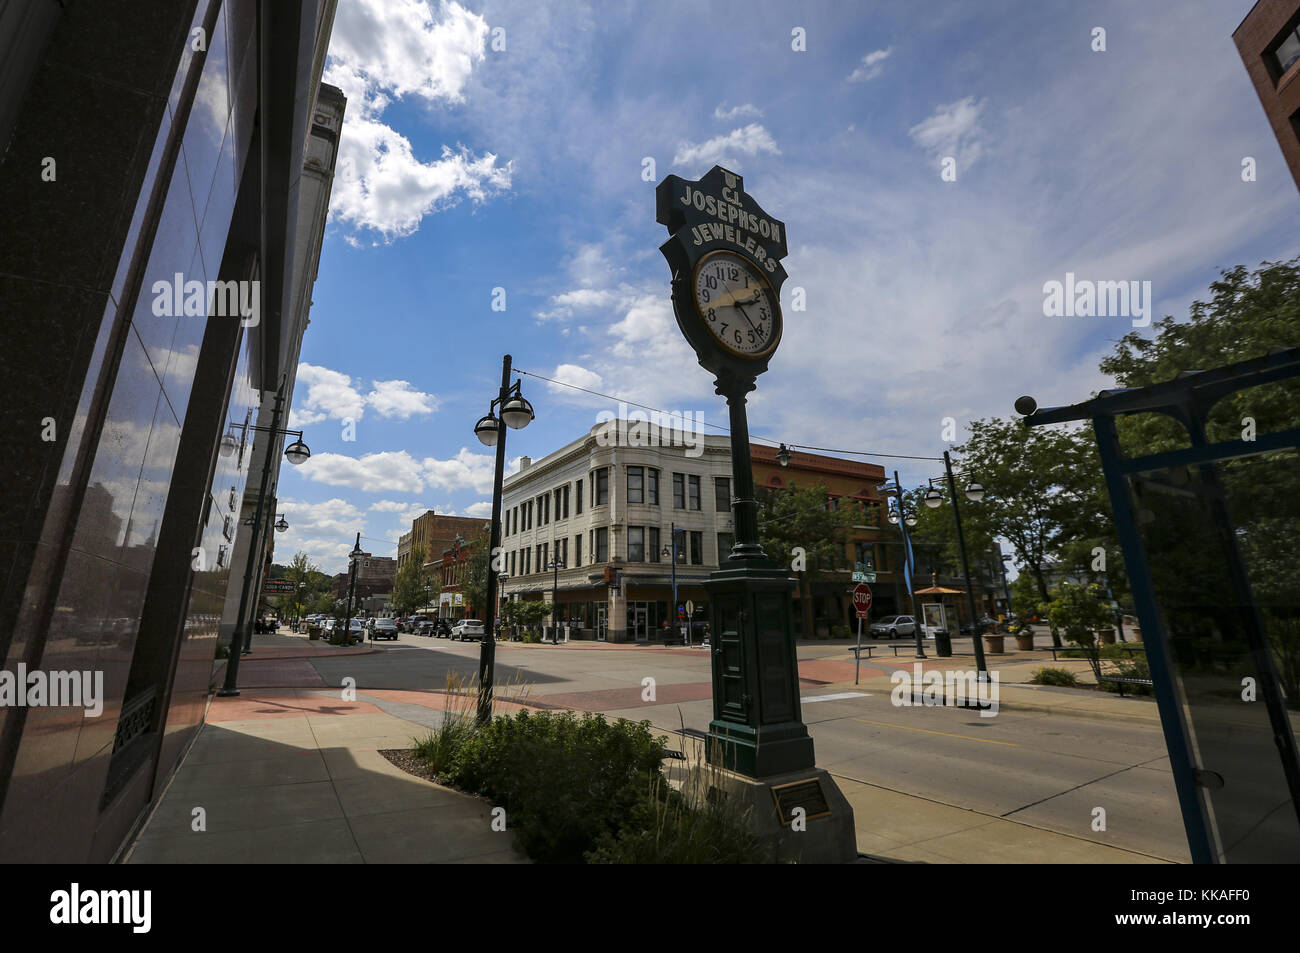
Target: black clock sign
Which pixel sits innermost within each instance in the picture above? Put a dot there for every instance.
(725, 254)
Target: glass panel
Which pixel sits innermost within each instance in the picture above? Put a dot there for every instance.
(1231, 623)
(1288, 52)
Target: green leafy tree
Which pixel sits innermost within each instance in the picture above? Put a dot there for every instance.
(474, 582)
(798, 529)
(409, 584)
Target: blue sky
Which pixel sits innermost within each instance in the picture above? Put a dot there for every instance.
(465, 168)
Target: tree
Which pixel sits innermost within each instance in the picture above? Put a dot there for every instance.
(474, 581)
(798, 528)
(1042, 490)
(409, 584)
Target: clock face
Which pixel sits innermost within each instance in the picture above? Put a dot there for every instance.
(736, 303)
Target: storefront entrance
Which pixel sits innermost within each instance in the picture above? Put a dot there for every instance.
(638, 620)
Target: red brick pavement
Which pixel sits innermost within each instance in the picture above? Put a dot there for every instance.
(259, 706)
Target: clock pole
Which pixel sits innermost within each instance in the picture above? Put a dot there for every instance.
(759, 749)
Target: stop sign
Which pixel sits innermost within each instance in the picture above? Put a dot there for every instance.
(861, 599)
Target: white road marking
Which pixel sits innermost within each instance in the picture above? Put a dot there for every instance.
(833, 698)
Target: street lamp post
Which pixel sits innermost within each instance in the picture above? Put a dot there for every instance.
(975, 493)
(555, 565)
(516, 413)
(671, 553)
(296, 453)
(352, 588)
(903, 518)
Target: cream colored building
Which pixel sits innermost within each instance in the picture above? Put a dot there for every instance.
(606, 505)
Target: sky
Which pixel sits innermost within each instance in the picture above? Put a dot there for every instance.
(936, 165)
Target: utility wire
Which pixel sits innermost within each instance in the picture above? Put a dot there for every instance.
(771, 440)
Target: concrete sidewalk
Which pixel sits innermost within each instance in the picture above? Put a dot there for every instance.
(302, 781)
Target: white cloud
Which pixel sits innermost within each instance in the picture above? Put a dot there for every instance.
(465, 470)
(329, 516)
(398, 399)
(379, 183)
(386, 49)
(332, 394)
(872, 65)
(481, 508)
(952, 130)
(736, 112)
(398, 47)
(722, 150)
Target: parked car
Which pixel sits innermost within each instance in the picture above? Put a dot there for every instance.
(892, 626)
(985, 623)
(467, 629)
(444, 629)
(426, 628)
(383, 629)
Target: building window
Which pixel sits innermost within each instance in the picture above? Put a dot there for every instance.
(652, 541)
(693, 492)
(566, 500)
(636, 544)
(577, 544)
(725, 542)
(602, 545)
(679, 491)
(600, 487)
(512, 562)
(545, 501)
(636, 484)
(562, 547)
(1288, 50)
(578, 496)
(722, 494)
(652, 486)
(697, 549)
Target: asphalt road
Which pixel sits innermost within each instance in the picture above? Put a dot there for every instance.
(1048, 771)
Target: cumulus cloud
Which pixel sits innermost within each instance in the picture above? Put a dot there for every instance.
(872, 65)
(391, 49)
(749, 140)
(333, 394)
(397, 471)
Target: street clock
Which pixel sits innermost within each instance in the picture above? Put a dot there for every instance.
(725, 255)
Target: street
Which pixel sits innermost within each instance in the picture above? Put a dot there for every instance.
(1044, 771)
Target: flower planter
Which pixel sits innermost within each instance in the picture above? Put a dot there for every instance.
(994, 644)
(1107, 636)
(313, 633)
(1025, 643)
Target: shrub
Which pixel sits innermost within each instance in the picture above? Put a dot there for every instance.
(565, 780)
(664, 828)
(1132, 668)
(531, 636)
(1054, 676)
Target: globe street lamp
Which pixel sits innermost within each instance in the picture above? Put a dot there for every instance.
(352, 588)
(974, 492)
(508, 409)
(903, 517)
(672, 555)
(556, 564)
(296, 453)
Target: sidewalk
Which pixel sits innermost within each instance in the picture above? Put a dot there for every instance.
(297, 777)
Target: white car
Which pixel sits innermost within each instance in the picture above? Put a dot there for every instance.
(467, 629)
(891, 627)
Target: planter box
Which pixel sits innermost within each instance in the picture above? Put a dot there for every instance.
(1025, 643)
(1107, 636)
(994, 644)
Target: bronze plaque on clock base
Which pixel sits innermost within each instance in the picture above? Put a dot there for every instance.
(801, 816)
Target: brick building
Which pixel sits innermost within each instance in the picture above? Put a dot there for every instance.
(1268, 41)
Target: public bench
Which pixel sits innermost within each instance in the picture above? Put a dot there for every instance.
(1122, 680)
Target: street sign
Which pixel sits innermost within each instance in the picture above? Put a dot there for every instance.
(861, 600)
(864, 576)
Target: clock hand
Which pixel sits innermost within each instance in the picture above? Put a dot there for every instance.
(741, 309)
